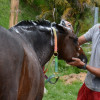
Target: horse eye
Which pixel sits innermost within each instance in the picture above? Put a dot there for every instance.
(71, 37)
(75, 39)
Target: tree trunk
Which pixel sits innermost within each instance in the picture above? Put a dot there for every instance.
(14, 12)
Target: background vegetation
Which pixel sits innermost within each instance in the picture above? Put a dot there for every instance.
(79, 12)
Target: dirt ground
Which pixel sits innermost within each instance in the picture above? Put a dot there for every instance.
(69, 79)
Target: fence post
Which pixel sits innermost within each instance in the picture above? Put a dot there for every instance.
(96, 13)
(14, 12)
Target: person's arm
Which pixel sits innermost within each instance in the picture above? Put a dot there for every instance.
(81, 40)
(88, 35)
(93, 70)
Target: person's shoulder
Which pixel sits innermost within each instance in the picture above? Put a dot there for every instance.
(97, 25)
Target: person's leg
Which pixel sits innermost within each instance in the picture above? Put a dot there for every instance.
(83, 92)
(87, 94)
(95, 95)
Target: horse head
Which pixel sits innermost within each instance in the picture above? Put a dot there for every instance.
(68, 45)
(39, 35)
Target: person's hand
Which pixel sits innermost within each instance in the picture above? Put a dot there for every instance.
(77, 62)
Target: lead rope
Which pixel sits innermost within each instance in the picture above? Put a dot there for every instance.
(55, 51)
(55, 75)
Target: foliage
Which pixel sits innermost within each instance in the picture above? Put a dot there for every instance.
(71, 10)
(4, 13)
(54, 10)
(75, 12)
(96, 2)
(27, 12)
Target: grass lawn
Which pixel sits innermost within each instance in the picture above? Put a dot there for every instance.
(4, 13)
(60, 91)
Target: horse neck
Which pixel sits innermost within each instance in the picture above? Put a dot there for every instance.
(43, 47)
(40, 42)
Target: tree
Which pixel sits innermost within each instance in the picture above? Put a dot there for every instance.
(75, 12)
(53, 10)
(14, 12)
(70, 10)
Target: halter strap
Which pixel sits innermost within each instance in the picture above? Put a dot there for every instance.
(55, 49)
(55, 75)
(55, 40)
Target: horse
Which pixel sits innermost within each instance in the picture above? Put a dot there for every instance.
(24, 49)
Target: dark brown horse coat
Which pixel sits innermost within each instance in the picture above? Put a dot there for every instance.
(18, 68)
(23, 50)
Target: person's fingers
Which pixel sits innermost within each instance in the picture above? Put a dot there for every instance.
(74, 58)
(70, 63)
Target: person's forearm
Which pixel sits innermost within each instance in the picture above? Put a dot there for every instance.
(81, 40)
(93, 70)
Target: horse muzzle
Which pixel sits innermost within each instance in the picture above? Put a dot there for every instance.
(83, 58)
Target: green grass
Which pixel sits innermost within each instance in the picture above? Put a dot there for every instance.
(65, 69)
(60, 91)
(4, 13)
(27, 12)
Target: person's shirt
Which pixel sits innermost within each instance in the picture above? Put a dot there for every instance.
(93, 35)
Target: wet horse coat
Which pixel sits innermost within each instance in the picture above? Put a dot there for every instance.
(18, 69)
(23, 50)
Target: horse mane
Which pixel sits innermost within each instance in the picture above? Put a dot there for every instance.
(43, 22)
(34, 23)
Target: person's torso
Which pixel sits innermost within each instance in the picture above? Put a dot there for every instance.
(91, 80)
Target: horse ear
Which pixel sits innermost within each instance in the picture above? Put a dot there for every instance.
(60, 28)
